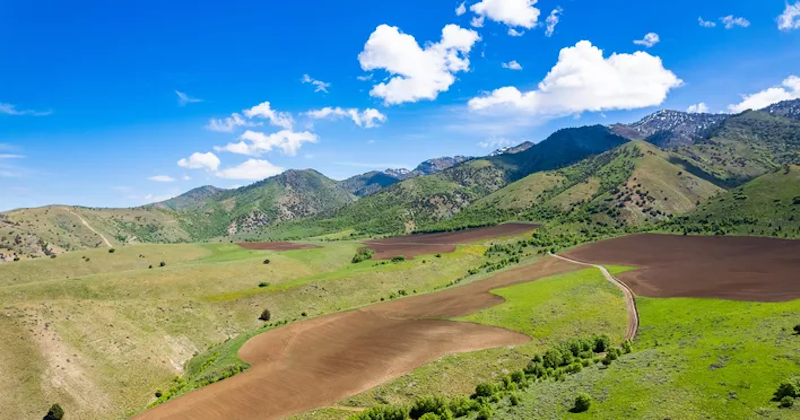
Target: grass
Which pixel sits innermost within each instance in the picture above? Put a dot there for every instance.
(550, 310)
(693, 359)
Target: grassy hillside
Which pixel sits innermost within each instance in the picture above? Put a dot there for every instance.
(743, 147)
(767, 206)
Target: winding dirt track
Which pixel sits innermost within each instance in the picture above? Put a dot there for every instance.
(85, 223)
(318, 362)
(722, 267)
(433, 243)
(630, 301)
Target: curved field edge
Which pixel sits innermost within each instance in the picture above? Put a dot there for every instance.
(549, 310)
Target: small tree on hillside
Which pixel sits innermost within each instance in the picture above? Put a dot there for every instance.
(55, 413)
(265, 315)
(582, 403)
(797, 329)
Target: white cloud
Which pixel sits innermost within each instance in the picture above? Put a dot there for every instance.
(319, 85)
(510, 12)
(790, 19)
(264, 110)
(706, 23)
(417, 73)
(730, 22)
(365, 78)
(649, 40)
(186, 178)
(184, 99)
(155, 198)
(789, 90)
(9, 109)
(461, 9)
(251, 170)
(375, 165)
(477, 22)
(552, 21)
(254, 143)
(700, 108)
(162, 178)
(512, 65)
(228, 124)
(208, 161)
(368, 118)
(583, 80)
(495, 143)
(11, 156)
(514, 32)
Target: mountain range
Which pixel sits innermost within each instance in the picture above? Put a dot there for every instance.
(662, 168)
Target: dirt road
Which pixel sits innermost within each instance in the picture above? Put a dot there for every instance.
(85, 223)
(630, 300)
(315, 363)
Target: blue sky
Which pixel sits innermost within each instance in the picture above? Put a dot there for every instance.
(90, 110)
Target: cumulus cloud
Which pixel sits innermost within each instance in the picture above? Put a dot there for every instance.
(208, 161)
(512, 65)
(227, 125)
(417, 73)
(706, 23)
(584, 80)
(509, 12)
(552, 21)
(649, 40)
(184, 99)
(731, 22)
(514, 32)
(319, 85)
(10, 109)
(251, 170)
(700, 108)
(461, 9)
(789, 90)
(265, 111)
(162, 178)
(368, 118)
(790, 18)
(495, 143)
(477, 22)
(255, 143)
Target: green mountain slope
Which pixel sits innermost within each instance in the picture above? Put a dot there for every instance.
(191, 198)
(767, 206)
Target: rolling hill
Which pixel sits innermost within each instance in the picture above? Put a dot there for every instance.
(372, 182)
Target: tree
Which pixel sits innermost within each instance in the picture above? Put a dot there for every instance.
(265, 315)
(787, 402)
(267, 261)
(162, 264)
(112, 250)
(797, 329)
(582, 403)
(786, 389)
(55, 413)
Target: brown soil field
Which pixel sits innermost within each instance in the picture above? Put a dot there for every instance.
(724, 267)
(315, 363)
(276, 246)
(439, 243)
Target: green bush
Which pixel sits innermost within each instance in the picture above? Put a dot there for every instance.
(398, 259)
(383, 412)
(161, 264)
(582, 403)
(486, 389)
(55, 413)
(797, 329)
(112, 250)
(363, 254)
(263, 284)
(514, 399)
(627, 346)
(786, 389)
(267, 261)
(787, 402)
(601, 343)
(461, 406)
(436, 405)
(430, 416)
(485, 413)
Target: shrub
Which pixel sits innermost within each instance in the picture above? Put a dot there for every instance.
(398, 259)
(786, 389)
(518, 377)
(514, 399)
(438, 255)
(263, 284)
(627, 346)
(303, 313)
(787, 402)
(436, 405)
(485, 389)
(461, 406)
(159, 393)
(485, 413)
(266, 315)
(112, 250)
(363, 254)
(267, 261)
(53, 256)
(582, 403)
(430, 416)
(150, 267)
(797, 329)
(601, 343)
(162, 264)
(55, 413)
(383, 412)
(613, 353)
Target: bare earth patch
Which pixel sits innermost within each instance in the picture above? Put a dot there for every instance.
(724, 267)
(318, 362)
(433, 243)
